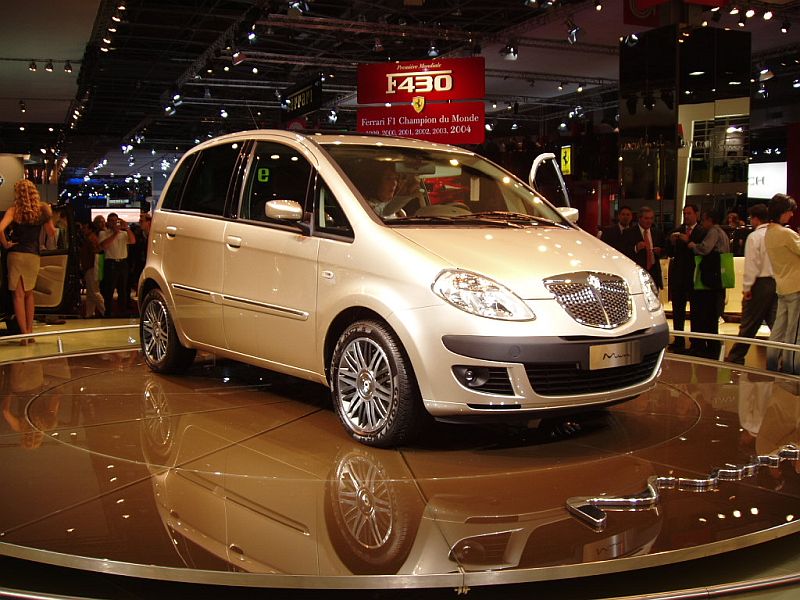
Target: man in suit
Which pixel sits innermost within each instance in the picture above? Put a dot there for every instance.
(644, 244)
(612, 235)
(681, 270)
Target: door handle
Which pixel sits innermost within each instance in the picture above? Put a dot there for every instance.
(171, 231)
(234, 241)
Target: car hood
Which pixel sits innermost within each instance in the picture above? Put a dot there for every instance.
(521, 258)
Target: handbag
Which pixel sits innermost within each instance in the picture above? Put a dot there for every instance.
(714, 271)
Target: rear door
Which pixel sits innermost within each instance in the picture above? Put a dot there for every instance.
(193, 244)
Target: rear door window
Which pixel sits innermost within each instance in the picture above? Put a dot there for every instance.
(207, 187)
(172, 195)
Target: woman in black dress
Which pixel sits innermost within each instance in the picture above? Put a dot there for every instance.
(27, 217)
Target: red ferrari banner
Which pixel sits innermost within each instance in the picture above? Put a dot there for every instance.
(430, 80)
(456, 123)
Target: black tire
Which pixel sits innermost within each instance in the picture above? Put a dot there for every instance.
(161, 347)
(373, 387)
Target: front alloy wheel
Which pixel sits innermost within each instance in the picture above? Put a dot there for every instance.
(373, 386)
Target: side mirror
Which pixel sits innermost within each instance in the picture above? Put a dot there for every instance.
(569, 213)
(284, 210)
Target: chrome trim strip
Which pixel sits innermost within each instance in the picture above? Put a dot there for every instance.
(271, 308)
(186, 288)
(590, 509)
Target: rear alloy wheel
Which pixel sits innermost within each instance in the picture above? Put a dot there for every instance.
(161, 347)
(374, 390)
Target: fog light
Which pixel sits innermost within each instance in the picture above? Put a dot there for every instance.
(472, 377)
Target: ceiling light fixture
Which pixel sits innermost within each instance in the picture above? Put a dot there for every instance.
(785, 26)
(572, 31)
(116, 18)
(579, 89)
(223, 113)
(598, 5)
(296, 9)
(49, 66)
(121, 5)
(561, 85)
(768, 15)
(433, 51)
(750, 13)
(22, 107)
(734, 10)
(32, 65)
(509, 51)
(67, 67)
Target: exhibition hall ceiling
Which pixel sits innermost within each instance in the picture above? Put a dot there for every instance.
(106, 70)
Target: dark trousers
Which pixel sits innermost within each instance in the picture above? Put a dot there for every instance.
(707, 307)
(759, 309)
(680, 298)
(115, 277)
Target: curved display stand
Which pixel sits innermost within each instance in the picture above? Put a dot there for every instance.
(236, 476)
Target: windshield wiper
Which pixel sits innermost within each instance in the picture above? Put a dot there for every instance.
(515, 216)
(417, 220)
(450, 220)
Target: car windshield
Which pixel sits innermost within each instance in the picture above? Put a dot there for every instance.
(412, 186)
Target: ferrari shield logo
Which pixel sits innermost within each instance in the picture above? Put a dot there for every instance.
(418, 102)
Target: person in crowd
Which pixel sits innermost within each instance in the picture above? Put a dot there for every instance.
(644, 244)
(28, 216)
(783, 250)
(114, 241)
(88, 251)
(737, 231)
(681, 270)
(612, 235)
(709, 304)
(759, 301)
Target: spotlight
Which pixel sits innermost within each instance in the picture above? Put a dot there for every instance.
(768, 15)
(238, 57)
(750, 13)
(251, 35)
(514, 126)
(255, 70)
(49, 66)
(433, 51)
(734, 10)
(561, 85)
(121, 5)
(742, 21)
(32, 65)
(572, 31)
(765, 74)
(333, 116)
(223, 113)
(579, 89)
(22, 107)
(785, 26)
(116, 18)
(489, 126)
(377, 46)
(796, 83)
(177, 99)
(598, 5)
(631, 40)
(510, 51)
(532, 4)
(67, 67)
(169, 110)
(297, 9)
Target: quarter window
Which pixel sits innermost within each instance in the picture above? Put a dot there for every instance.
(329, 216)
(208, 184)
(172, 195)
(277, 172)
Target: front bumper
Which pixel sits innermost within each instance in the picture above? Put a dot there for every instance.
(546, 373)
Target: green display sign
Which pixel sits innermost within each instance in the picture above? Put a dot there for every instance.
(263, 175)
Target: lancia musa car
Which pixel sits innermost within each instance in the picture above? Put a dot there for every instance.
(413, 279)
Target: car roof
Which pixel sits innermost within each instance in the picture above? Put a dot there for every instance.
(323, 139)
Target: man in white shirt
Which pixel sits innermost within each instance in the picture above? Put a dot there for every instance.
(114, 241)
(759, 300)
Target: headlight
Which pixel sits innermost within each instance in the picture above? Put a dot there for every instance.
(481, 296)
(650, 291)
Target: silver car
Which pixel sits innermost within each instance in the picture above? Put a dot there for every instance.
(414, 279)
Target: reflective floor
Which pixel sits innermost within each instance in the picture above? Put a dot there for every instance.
(237, 476)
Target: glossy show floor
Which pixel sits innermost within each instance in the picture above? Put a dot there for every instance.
(235, 476)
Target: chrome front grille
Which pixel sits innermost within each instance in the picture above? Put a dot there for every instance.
(593, 299)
